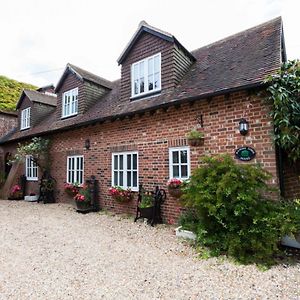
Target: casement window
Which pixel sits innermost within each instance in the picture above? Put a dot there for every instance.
(25, 118)
(70, 103)
(75, 168)
(31, 168)
(146, 76)
(125, 170)
(179, 162)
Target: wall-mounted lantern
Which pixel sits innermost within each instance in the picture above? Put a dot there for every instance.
(87, 144)
(243, 126)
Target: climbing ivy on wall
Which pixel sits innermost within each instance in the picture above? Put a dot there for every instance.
(284, 96)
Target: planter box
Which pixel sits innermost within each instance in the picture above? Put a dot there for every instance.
(185, 233)
(290, 242)
(31, 198)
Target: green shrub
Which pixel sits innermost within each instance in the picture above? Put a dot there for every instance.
(188, 220)
(233, 215)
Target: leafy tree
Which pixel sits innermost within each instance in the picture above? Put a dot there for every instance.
(284, 96)
(10, 91)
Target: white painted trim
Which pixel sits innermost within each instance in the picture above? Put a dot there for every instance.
(25, 118)
(75, 90)
(146, 91)
(27, 167)
(75, 156)
(125, 186)
(171, 163)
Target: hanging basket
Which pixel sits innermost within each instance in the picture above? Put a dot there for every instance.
(196, 142)
(175, 192)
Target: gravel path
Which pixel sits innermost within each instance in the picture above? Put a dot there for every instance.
(52, 252)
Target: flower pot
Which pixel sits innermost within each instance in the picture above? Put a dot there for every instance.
(83, 205)
(196, 142)
(175, 192)
(146, 212)
(186, 234)
(31, 198)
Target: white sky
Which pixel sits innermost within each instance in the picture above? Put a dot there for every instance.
(39, 35)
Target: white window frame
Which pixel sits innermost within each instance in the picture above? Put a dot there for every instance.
(174, 149)
(146, 87)
(125, 169)
(71, 108)
(75, 169)
(31, 169)
(25, 118)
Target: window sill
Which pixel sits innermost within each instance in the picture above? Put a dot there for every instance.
(25, 128)
(145, 95)
(68, 116)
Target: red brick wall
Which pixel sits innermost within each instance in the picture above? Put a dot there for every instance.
(152, 135)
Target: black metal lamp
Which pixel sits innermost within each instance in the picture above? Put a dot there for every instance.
(87, 144)
(243, 126)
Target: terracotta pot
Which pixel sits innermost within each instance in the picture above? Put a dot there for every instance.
(196, 142)
(175, 192)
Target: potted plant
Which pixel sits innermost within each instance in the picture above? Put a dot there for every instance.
(146, 205)
(121, 195)
(16, 193)
(174, 187)
(31, 197)
(195, 138)
(83, 198)
(72, 189)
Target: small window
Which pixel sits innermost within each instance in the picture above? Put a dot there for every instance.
(75, 167)
(125, 170)
(70, 103)
(31, 169)
(25, 118)
(146, 76)
(179, 162)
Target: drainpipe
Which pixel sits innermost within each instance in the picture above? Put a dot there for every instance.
(279, 161)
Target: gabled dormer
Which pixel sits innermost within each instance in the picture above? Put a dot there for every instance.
(153, 62)
(33, 107)
(77, 90)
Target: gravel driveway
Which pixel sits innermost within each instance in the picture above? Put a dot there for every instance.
(52, 252)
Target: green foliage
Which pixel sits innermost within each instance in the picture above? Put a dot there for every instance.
(10, 91)
(284, 95)
(147, 200)
(232, 215)
(38, 148)
(188, 220)
(195, 134)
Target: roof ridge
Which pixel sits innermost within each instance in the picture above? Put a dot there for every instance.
(238, 33)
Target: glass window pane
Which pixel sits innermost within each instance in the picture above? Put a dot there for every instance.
(134, 179)
(135, 71)
(175, 157)
(129, 179)
(175, 171)
(134, 158)
(115, 178)
(116, 162)
(156, 81)
(121, 162)
(150, 82)
(183, 156)
(156, 64)
(128, 161)
(150, 66)
(184, 171)
(121, 182)
(142, 85)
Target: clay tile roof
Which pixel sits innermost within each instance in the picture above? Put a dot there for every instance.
(36, 96)
(237, 62)
(84, 75)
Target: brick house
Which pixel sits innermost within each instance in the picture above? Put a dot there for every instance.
(133, 130)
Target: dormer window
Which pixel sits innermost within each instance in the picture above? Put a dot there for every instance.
(70, 103)
(146, 76)
(25, 118)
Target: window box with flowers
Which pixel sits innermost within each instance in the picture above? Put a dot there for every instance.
(121, 195)
(174, 187)
(72, 189)
(83, 198)
(195, 138)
